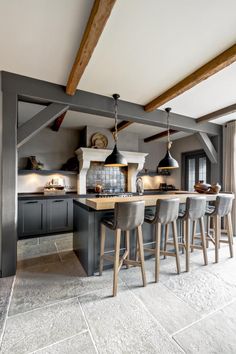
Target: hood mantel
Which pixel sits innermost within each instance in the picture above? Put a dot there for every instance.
(85, 156)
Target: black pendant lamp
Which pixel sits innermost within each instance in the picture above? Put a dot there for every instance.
(115, 159)
(168, 162)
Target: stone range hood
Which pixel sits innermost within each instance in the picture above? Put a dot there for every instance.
(85, 156)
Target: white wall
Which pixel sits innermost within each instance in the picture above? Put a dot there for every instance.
(51, 148)
(190, 143)
(126, 141)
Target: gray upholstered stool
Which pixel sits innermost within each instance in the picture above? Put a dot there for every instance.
(166, 213)
(195, 211)
(222, 208)
(127, 216)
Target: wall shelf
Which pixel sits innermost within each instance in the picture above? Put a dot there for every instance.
(47, 172)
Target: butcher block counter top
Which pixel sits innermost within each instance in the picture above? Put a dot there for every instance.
(150, 200)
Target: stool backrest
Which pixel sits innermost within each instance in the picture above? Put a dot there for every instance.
(129, 215)
(195, 208)
(223, 205)
(166, 210)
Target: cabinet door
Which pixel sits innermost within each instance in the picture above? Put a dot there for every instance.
(59, 215)
(31, 217)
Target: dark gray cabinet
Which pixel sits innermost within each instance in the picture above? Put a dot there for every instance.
(44, 216)
(59, 215)
(32, 217)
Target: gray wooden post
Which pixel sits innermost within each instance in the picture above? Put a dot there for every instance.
(8, 184)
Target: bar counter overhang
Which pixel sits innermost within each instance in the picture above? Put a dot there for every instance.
(87, 217)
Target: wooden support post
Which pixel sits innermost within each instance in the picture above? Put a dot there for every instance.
(8, 187)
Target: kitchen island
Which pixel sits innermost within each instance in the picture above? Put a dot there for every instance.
(88, 213)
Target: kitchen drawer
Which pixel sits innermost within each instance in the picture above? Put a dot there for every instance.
(59, 215)
(31, 218)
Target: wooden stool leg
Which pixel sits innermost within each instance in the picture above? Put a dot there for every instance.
(187, 243)
(203, 239)
(137, 247)
(217, 237)
(166, 238)
(208, 230)
(127, 245)
(102, 247)
(116, 261)
(141, 253)
(230, 234)
(193, 234)
(184, 236)
(157, 251)
(175, 237)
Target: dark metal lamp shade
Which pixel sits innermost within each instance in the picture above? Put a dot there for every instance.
(115, 159)
(168, 162)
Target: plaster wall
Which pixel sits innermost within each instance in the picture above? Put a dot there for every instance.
(51, 148)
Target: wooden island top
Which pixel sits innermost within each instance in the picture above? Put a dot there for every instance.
(150, 200)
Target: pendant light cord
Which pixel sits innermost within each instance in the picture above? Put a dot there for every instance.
(115, 97)
(116, 118)
(168, 128)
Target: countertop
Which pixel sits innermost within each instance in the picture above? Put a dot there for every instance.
(26, 196)
(150, 200)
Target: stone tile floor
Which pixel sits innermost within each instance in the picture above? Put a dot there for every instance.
(52, 307)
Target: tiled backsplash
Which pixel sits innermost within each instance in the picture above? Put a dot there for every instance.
(112, 179)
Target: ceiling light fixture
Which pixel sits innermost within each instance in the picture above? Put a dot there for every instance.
(115, 159)
(168, 162)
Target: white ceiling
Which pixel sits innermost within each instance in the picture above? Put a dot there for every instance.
(78, 120)
(146, 47)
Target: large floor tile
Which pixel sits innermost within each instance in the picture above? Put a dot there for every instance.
(64, 244)
(45, 284)
(37, 250)
(36, 329)
(169, 310)
(5, 291)
(80, 343)
(35, 261)
(212, 335)
(123, 325)
(202, 290)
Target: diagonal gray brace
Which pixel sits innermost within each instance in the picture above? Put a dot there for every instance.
(42, 119)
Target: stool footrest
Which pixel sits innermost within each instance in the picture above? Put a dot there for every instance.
(166, 253)
(224, 241)
(151, 250)
(132, 263)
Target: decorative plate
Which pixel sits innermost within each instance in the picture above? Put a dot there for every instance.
(99, 141)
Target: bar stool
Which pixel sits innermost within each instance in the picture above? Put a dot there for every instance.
(127, 216)
(222, 208)
(166, 213)
(195, 211)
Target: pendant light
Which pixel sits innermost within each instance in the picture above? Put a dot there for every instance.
(168, 162)
(115, 159)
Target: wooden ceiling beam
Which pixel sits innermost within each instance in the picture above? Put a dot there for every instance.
(212, 67)
(217, 114)
(122, 125)
(58, 122)
(159, 135)
(97, 20)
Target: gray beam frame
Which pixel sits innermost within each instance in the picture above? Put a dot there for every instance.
(16, 87)
(39, 121)
(207, 146)
(37, 91)
(8, 232)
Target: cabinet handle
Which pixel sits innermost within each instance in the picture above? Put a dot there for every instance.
(32, 202)
(58, 201)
